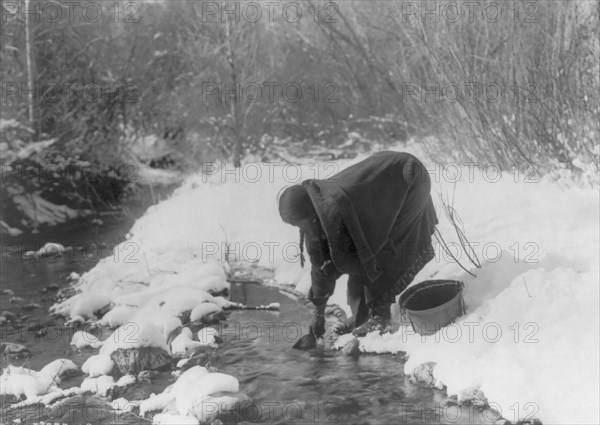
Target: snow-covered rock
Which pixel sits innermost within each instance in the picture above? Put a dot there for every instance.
(184, 342)
(211, 406)
(13, 349)
(143, 333)
(101, 384)
(99, 364)
(123, 405)
(157, 402)
(24, 382)
(117, 316)
(202, 310)
(20, 381)
(58, 369)
(83, 339)
(126, 380)
(197, 394)
(208, 336)
(423, 375)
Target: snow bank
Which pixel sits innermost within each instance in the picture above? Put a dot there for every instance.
(529, 341)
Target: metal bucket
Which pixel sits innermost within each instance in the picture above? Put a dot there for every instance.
(432, 304)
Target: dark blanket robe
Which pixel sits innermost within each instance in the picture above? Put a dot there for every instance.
(378, 218)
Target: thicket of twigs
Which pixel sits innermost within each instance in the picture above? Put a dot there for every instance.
(518, 86)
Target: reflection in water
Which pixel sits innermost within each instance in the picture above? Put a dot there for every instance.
(319, 386)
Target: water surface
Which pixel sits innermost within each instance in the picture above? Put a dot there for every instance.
(285, 385)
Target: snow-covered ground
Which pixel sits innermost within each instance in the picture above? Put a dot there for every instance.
(529, 340)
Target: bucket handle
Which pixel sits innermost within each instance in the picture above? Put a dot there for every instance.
(462, 298)
(405, 315)
(461, 284)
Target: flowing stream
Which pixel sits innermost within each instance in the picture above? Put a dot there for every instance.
(285, 385)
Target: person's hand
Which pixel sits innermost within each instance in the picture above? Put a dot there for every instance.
(317, 325)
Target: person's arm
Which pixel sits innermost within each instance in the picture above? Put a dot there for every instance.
(323, 273)
(322, 286)
(323, 277)
(321, 289)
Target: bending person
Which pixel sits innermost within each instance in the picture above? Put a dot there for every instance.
(372, 221)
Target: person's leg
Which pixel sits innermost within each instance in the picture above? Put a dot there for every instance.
(377, 305)
(356, 298)
(379, 311)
